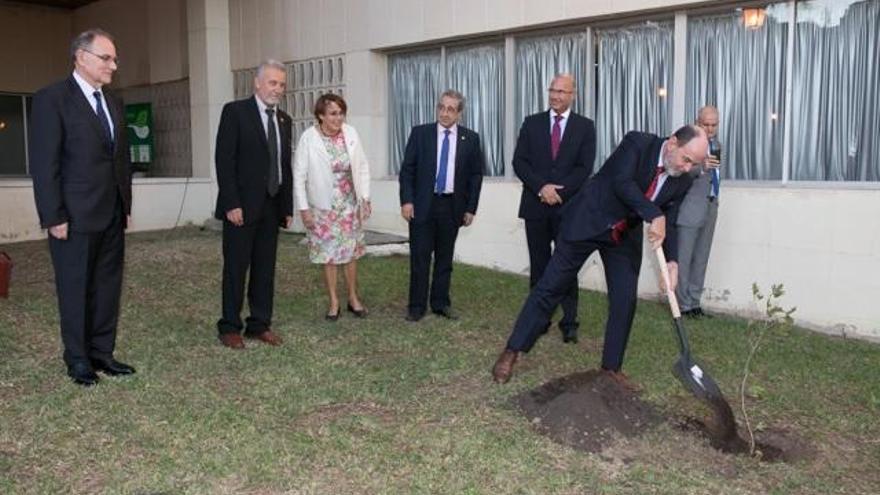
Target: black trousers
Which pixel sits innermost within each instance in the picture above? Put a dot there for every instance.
(434, 236)
(622, 264)
(88, 281)
(250, 248)
(539, 236)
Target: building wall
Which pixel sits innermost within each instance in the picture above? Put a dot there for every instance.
(819, 240)
(30, 62)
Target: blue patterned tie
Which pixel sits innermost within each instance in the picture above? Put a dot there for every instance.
(715, 183)
(102, 116)
(440, 185)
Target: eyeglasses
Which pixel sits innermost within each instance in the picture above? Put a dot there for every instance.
(104, 58)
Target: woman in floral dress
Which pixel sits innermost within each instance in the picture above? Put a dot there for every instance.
(332, 190)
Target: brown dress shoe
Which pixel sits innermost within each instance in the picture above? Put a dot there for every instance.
(503, 368)
(268, 337)
(621, 380)
(232, 340)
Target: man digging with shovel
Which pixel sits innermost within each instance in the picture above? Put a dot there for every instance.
(644, 180)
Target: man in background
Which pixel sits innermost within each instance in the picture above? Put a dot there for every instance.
(255, 198)
(696, 221)
(554, 156)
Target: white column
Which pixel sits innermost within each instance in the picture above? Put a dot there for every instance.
(210, 81)
(679, 75)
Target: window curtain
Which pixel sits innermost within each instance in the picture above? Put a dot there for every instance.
(538, 60)
(634, 82)
(836, 92)
(478, 74)
(414, 84)
(742, 72)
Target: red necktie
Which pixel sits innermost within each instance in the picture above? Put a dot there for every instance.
(555, 137)
(619, 228)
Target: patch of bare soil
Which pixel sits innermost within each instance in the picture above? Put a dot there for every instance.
(588, 411)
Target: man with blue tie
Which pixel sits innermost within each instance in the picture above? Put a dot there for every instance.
(440, 180)
(696, 221)
(82, 186)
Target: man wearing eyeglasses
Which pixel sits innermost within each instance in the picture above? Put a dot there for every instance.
(82, 186)
(554, 156)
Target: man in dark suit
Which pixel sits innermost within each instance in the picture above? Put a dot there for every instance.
(82, 186)
(440, 180)
(255, 198)
(645, 179)
(553, 158)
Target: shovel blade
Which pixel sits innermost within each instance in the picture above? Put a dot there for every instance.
(695, 379)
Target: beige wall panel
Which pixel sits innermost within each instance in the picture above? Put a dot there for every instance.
(333, 33)
(543, 11)
(35, 47)
(470, 16)
(438, 18)
(167, 40)
(125, 20)
(504, 14)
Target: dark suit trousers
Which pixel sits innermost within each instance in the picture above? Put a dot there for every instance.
(622, 264)
(539, 235)
(434, 236)
(251, 247)
(88, 280)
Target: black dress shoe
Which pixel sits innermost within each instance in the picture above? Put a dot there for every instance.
(413, 316)
(569, 332)
(82, 374)
(446, 313)
(332, 316)
(358, 313)
(700, 313)
(112, 367)
(570, 336)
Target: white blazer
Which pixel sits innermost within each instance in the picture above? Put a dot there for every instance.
(313, 181)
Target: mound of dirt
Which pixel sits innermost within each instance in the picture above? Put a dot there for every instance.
(586, 410)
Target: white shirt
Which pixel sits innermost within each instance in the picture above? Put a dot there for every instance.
(662, 179)
(562, 123)
(264, 117)
(87, 90)
(450, 164)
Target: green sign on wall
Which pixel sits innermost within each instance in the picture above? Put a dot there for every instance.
(139, 123)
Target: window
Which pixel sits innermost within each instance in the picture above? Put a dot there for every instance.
(742, 72)
(538, 59)
(836, 91)
(13, 135)
(478, 74)
(414, 83)
(417, 79)
(633, 82)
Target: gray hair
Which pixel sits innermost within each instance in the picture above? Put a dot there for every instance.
(451, 93)
(84, 40)
(270, 63)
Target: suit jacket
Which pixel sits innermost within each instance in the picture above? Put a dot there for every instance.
(313, 179)
(242, 161)
(419, 170)
(617, 192)
(535, 167)
(79, 176)
(695, 206)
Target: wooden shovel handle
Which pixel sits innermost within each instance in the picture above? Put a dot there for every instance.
(670, 294)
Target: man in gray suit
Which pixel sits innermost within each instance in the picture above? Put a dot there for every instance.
(696, 221)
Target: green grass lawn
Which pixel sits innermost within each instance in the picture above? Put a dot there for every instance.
(386, 406)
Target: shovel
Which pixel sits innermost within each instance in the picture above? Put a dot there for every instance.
(688, 372)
